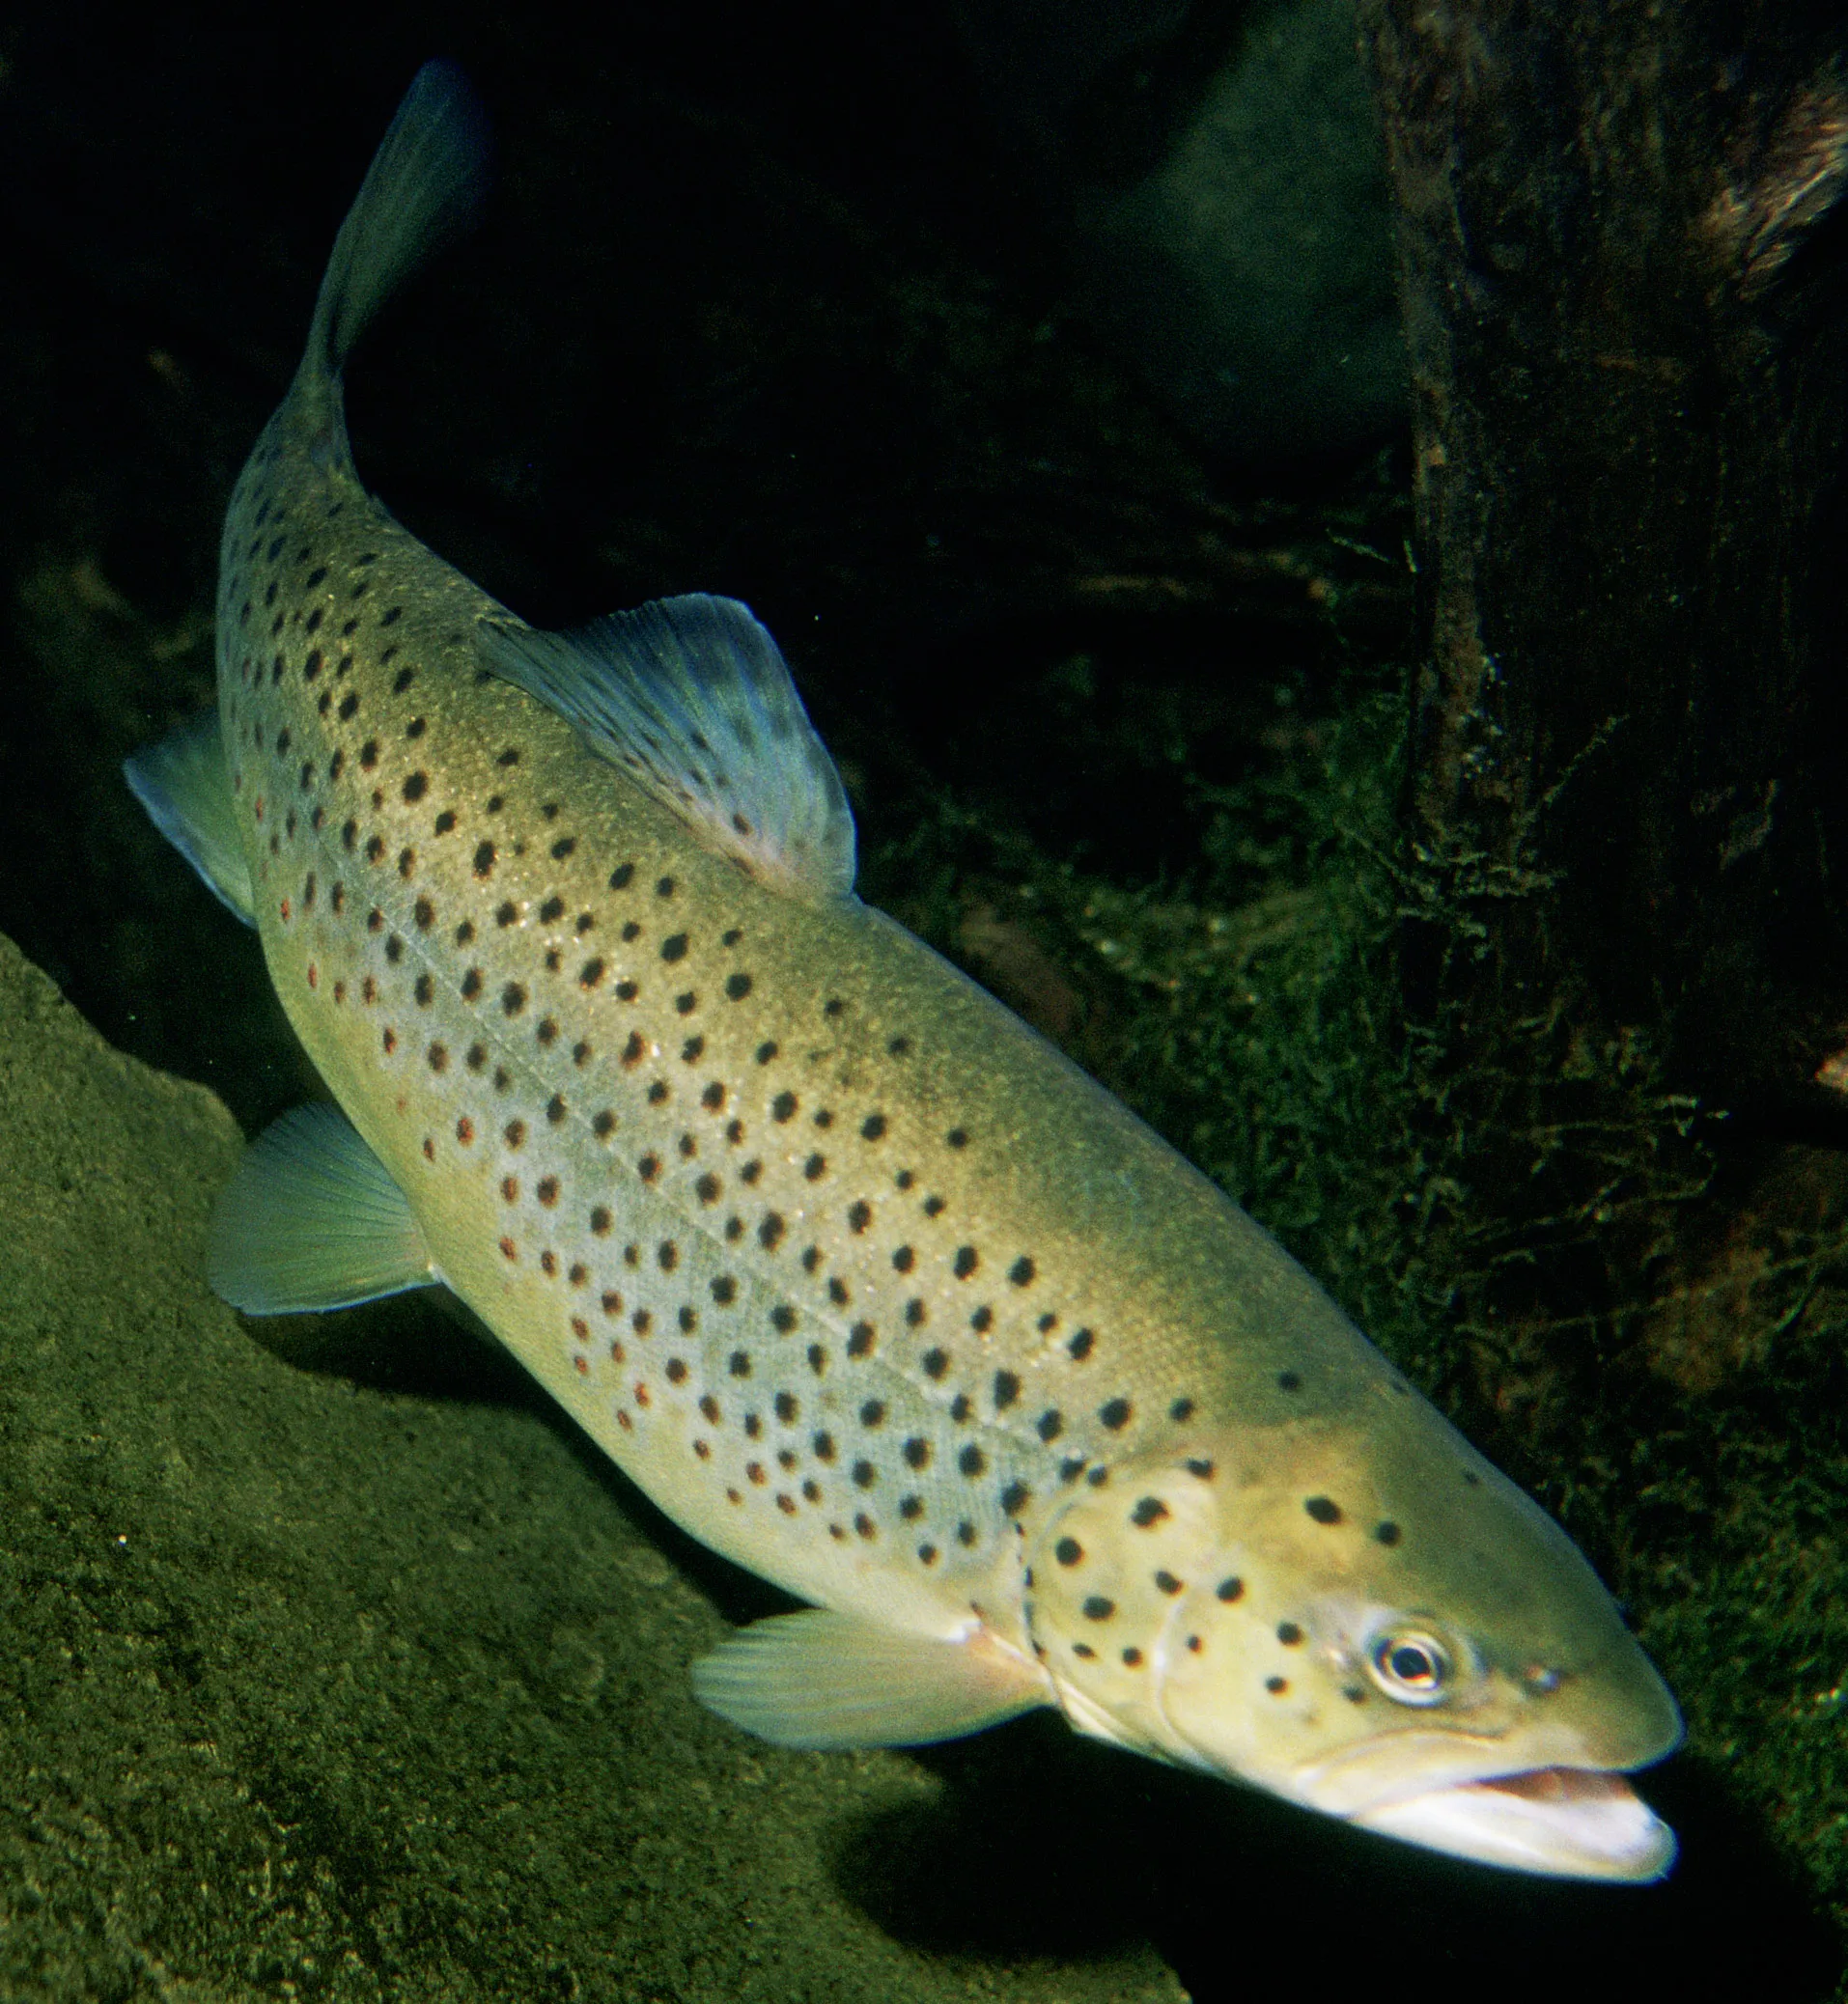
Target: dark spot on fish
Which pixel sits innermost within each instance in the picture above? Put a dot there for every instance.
(1080, 1345)
(1230, 1590)
(1324, 1509)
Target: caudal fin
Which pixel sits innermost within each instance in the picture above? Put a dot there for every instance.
(423, 190)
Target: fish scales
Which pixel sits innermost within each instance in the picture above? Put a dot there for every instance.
(848, 1267)
(864, 1283)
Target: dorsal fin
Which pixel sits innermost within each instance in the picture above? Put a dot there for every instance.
(693, 700)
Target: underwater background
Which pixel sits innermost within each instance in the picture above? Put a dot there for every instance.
(336, 1665)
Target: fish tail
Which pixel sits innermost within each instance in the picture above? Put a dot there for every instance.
(423, 190)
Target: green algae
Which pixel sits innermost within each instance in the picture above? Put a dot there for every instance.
(1644, 1321)
(319, 1687)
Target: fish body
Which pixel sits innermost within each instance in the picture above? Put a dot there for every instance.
(861, 1280)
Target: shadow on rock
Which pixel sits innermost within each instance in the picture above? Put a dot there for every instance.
(1042, 1845)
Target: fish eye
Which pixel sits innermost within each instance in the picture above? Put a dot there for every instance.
(1412, 1666)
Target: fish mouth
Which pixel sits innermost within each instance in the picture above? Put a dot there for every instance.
(1549, 1806)
(1560, 1823)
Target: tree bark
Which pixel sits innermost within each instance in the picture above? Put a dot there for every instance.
(1623, 281)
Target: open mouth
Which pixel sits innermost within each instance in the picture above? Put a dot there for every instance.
(1566, 1823)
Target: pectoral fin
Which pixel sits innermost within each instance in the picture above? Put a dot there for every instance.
(312, 1219)
(825, 1679)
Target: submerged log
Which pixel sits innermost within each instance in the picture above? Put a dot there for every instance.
(1626, 301)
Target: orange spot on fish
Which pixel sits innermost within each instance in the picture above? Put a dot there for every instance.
(582, 1366)
(507, 1250)
(314, 974)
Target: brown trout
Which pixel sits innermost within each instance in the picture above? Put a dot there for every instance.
(859, 1278)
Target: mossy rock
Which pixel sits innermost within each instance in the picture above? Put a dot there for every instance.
(315, 1685)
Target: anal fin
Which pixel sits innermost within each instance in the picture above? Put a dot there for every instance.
(823, 1679)
(185, 785)
(312, 1219)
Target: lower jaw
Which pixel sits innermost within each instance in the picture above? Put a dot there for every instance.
(1560, 1822)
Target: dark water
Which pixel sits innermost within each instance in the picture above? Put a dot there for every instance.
(769, 304)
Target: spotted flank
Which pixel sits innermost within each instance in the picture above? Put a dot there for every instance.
(865, 1284)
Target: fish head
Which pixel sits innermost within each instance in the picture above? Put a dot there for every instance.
(1367, 1619)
